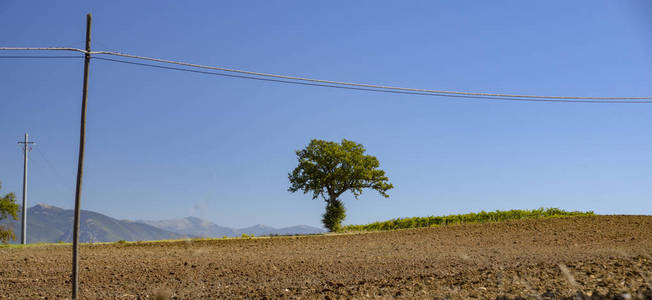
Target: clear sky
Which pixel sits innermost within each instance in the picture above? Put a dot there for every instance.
(166, 144)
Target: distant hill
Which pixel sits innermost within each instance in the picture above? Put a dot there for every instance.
(192, 226)
(197, 227)
(51, 224)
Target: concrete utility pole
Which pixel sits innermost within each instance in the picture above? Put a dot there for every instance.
(80, 163)
(23, 227)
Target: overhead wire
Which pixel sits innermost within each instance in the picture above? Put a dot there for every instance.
(44, 49)
(362, 86)
(61, 187)
(40, 56)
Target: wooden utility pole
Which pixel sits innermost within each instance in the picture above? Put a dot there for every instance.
(80, 164)
(23, 227)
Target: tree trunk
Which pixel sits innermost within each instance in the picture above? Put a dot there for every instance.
(334, 215)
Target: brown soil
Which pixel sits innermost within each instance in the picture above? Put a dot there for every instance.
(531, 259)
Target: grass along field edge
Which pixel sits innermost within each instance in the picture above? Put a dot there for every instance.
(470, 218)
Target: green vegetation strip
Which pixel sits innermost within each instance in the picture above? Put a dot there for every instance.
(481, 217)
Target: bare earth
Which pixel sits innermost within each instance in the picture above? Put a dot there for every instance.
(531, 259)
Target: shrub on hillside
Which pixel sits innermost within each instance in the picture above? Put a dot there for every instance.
(481, 217)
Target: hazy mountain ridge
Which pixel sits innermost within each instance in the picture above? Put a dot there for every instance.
(196, 227)
(193, 227)
(51, 224)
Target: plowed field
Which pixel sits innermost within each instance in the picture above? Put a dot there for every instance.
(532, 259)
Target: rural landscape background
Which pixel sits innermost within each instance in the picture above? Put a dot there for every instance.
(421, 149)
(165, 144)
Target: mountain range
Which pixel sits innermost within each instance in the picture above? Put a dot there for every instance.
(196, 227)
(49, 224)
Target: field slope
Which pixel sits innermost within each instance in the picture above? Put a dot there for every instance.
(529, 258)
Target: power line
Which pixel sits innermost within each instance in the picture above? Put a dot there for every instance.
(362, 84)
(49, 163)
(40, 56)
(365, 89)
(44, 49)
(62, 189)
(331, 82)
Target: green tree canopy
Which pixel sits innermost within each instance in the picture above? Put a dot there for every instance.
(328, 169)
(8, 207)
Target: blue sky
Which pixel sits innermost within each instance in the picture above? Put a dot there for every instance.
(166, 144)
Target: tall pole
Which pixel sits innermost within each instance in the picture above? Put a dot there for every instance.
(80, 164)
(23, 227)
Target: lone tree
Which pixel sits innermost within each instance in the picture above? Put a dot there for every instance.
(8, 207)
(328, 169)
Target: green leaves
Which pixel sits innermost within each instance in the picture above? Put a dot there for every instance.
(8, 207)
(328, 169)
